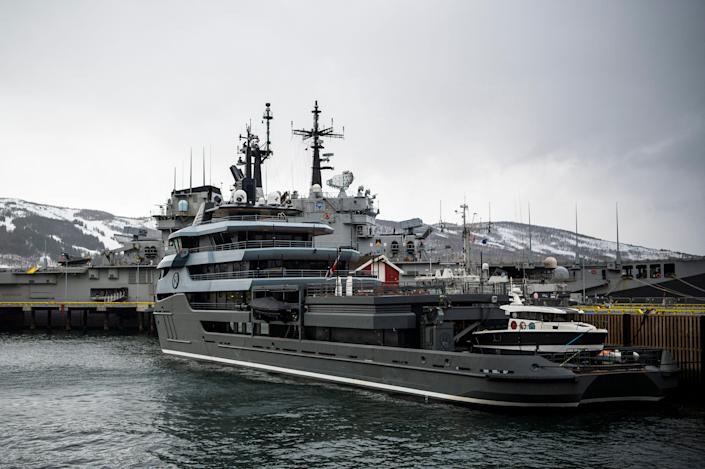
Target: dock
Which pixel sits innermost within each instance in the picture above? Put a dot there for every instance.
(679, 329)
(123, 316)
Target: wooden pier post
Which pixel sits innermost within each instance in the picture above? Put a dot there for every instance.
(106, 321)
(84, 317)
(67, 320)
(702, 351)
(627, 330)
(49, 314)
(152, 325)
(118, 316)
(140, 321)
(32, 319)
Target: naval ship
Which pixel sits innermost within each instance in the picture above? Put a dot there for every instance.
(253, 282)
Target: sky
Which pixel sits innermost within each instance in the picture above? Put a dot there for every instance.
(503, 104)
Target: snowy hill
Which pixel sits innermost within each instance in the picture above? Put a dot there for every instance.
(27, 227)
(508, 242)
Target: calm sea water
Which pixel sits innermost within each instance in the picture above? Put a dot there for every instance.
(111, 401)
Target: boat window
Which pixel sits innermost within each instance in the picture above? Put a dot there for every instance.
(669, 270)
(394, 248)
(189, 242)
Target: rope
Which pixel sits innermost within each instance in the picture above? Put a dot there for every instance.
(664, 289)
(690, 284)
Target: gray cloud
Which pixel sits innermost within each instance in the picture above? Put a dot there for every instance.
(555, 103)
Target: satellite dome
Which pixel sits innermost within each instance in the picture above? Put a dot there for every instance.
(273, 198)
(485, 266)
(240, 196)
(561, 274)
(550, 262)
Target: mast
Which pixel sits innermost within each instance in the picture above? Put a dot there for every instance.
(530, 250)
(262, 154)
(190, 173)
(576, 234)
(204, 165)
(316, 133)
(466, 248)
(619, 254)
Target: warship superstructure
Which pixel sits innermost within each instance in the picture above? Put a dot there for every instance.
(253, 283)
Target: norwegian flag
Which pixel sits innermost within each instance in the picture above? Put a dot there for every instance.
(334, 267)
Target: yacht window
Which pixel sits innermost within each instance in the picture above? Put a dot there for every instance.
(395, 248)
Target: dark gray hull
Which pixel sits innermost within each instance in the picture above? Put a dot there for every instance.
(461, 377)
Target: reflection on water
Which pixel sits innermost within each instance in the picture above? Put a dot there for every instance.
(117, 401)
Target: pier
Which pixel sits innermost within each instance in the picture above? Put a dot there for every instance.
(133, 317)
(680, 330)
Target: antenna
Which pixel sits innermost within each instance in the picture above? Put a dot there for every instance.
(210, 165)
(190, 171)
(619, 255)
(316, 134)
(489, 217)
(530, 251)
(576, 233)
(268, 116)
(174, 178)
(204, 165)
(466, 248)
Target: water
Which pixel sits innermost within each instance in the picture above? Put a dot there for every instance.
(111, 401)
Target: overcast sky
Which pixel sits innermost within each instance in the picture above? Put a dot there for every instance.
(548, 103)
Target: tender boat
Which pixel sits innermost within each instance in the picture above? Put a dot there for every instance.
(541, 329)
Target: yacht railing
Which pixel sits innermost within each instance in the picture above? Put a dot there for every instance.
(267, 243)
(614, 358)
(276, 273)
(258, 217)
(219, 306)
(263, 244)
(331, 288)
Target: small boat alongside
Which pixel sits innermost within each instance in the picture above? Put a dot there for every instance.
(532, 329)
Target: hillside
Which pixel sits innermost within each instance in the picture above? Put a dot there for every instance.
(29, 229)
(508, 242)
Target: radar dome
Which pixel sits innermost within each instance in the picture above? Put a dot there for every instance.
(273, 198)
(240, 196)
(550, 262)
(485, 266)
(561, 274)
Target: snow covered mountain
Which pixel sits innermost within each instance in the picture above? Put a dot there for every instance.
(29, 229)
(508, 242)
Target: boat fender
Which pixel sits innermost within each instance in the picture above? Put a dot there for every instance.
(522, 325)
(513, 325)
